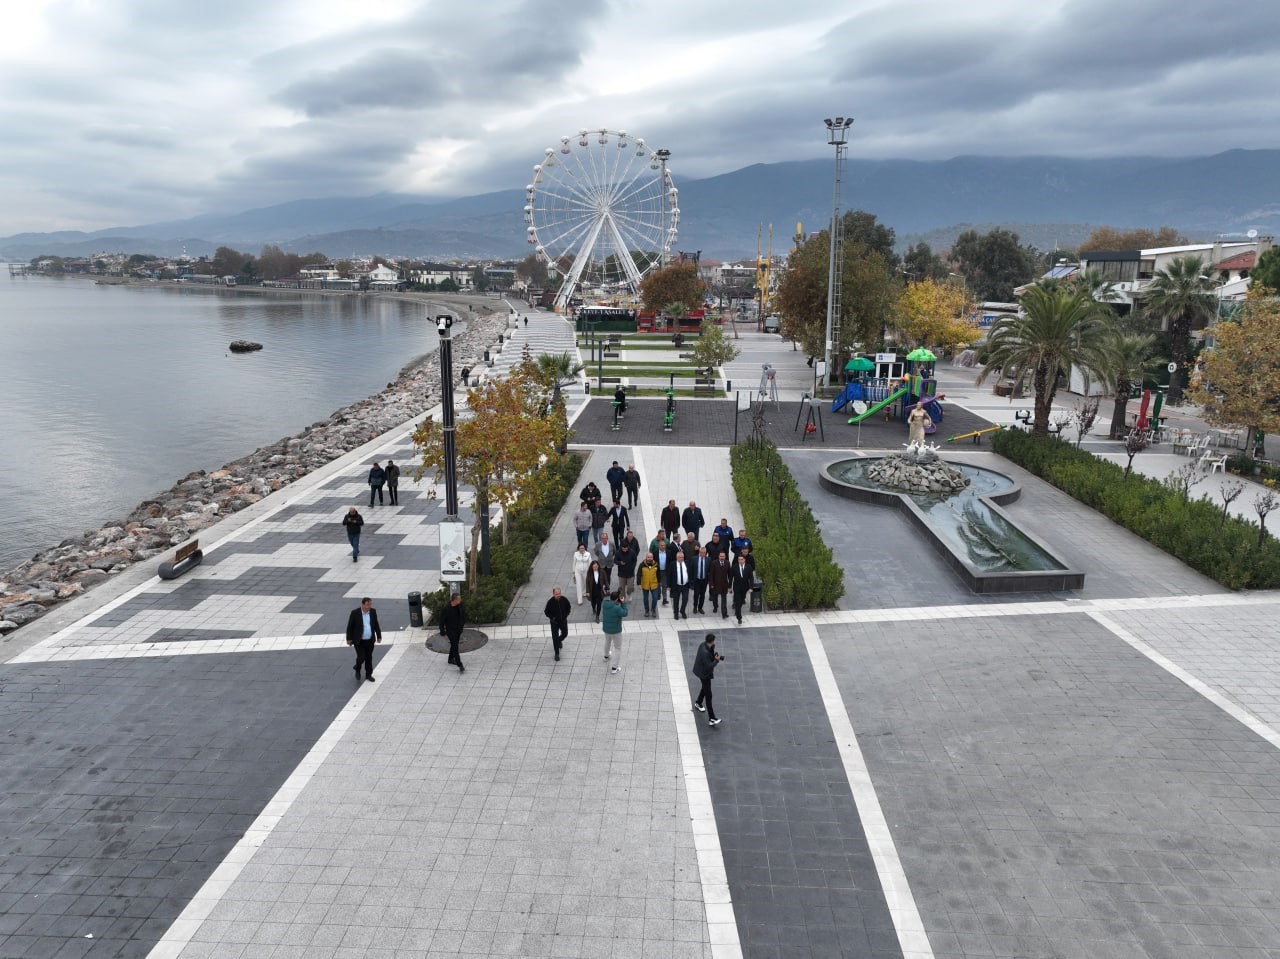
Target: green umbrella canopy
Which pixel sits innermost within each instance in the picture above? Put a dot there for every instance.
(921, 355)
(859, 363)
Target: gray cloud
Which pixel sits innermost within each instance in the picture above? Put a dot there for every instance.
(146, 110)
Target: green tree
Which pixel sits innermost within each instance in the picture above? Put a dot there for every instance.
(1059, 328)
(929, 313)
(480, 280)
(1242, 372)
(532, 270)
(868, 294)
(993, 263)
(447, 285)
(1267, 272)
(555, 370)
(713, 349)
(1181, 298)
(858, 226)
(921, 263)
(675, 284)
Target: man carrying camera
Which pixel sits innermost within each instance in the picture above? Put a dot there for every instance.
(704, 666)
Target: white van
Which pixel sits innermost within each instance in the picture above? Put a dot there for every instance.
(772, 323)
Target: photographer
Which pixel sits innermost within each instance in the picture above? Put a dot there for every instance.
(704, 667)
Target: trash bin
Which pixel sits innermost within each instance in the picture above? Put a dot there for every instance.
(757, 596)
(415, 608)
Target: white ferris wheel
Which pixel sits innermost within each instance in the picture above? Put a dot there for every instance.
(601, 210)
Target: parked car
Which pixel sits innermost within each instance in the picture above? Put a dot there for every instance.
(772, 323)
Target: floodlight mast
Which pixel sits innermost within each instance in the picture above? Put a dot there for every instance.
(837, 136)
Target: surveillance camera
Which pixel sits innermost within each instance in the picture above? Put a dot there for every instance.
(443, 322)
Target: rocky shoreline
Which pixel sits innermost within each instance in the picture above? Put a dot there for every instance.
(202, 498)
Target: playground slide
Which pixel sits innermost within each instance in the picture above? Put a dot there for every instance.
(852, 391)
(896, 395)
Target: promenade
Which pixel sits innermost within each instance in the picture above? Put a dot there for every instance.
(187, 768)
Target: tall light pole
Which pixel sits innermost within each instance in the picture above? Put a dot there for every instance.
(453, 566)
(837, 136)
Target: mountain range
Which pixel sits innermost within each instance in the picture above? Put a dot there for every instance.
(1051, 202)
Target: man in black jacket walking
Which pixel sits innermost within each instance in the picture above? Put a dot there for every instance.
(362, 632)
(557, 610)
(704, 667)
(453, 619)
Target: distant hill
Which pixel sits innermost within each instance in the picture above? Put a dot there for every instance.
(1050, 201)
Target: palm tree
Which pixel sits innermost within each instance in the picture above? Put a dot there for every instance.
(1129, 357)
(555, 369)
(1059, 328)
(1182, 297)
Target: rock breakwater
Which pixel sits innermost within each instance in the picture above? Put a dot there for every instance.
(202, 498)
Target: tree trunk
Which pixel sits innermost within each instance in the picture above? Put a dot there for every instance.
(1179, 331)
(1120, 409)
(1043, 402)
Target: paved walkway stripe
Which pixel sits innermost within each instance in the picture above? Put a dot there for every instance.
(1235, 711)
(893, 878)
(176, 938)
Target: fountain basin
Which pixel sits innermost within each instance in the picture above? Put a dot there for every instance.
(968, 529)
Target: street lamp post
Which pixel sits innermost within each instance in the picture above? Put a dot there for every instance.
(664, 242)
(452, 564)
(837, 136)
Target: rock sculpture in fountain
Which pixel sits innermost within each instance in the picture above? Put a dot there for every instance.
(917, 469)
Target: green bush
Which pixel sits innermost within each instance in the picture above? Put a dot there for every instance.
(1231, 550)
(791, 557)
(511, 564)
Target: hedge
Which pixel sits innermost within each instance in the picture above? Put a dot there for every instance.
(791, 557)
(511, 564)
(1228, 549)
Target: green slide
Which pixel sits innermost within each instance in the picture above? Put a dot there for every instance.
(878, 407)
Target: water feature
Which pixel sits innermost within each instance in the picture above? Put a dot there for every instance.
(977, 538)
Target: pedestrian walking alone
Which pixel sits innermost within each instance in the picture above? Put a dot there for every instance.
(631, 480)
(704, 667)
(453, 619)
(393, 483)
(377, 476)
(557, 611)
(363, 632)
(614, 612)
(581, 563)
(353, 522)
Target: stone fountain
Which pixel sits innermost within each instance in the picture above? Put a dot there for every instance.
(917, 469)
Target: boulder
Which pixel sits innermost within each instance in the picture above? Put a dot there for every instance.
(7, 626)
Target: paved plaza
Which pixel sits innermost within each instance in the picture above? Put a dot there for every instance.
(187, 768)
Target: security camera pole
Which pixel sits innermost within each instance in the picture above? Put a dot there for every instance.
(453, 567)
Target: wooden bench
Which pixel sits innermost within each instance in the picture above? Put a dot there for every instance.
(186, 558)
(611, 379)
(705, 384)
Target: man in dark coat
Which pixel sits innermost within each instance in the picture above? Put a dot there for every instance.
(692, 521)
(631, 480)
(671, 518)
(362, 632)
(393, 482)
(741, 576)
(700, 571)
(679, 581)
(719, 581)
(704, 667)
(557, 611)
(599, 518)
(628, 557)
(453, 619)
(615, 477)
(619, 520)
(377, 476)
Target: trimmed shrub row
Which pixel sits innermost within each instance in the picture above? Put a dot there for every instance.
(1226, 548)
(791, 557)
(511, 564)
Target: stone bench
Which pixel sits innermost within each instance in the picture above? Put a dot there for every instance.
(187, 557)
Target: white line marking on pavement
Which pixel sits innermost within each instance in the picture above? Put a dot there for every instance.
(197, 647)
(1234, 710)
(893, 879)
(722, 923)
(202, 904)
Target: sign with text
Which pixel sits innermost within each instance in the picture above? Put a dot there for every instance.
(453, 552)
(886, 357)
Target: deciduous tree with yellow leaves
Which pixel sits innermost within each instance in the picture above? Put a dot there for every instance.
(1242, 372)
(930, 313)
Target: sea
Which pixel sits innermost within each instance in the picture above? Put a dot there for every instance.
(110, 394)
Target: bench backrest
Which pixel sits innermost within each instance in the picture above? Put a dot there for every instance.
(185, 550)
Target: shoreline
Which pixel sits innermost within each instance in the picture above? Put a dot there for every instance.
(202, 498)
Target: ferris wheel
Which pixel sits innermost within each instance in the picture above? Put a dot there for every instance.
(602, 211)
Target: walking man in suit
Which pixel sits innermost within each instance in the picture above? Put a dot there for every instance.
(362, 632)
(700, 568)
(631, 480)
(741, 576)
(557, 611)
(678, 580)
(719, 581)
(606, 554)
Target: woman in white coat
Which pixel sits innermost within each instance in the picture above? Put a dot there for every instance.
(581, 563)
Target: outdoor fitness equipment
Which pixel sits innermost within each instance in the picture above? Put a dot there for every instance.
(669, 417)
(603, 208)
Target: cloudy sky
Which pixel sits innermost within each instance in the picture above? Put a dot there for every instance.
(121, 112)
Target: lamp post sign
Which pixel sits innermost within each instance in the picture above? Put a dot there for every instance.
(453, 552)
